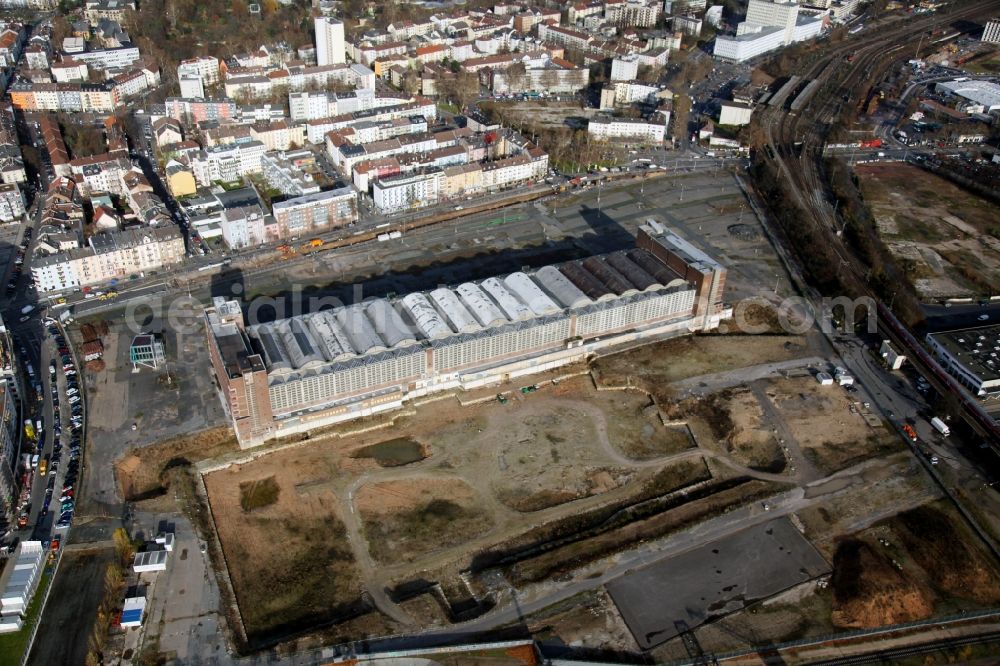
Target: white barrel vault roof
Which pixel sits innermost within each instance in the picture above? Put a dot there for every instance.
(359, 330)
(327, 331)
(454, 311)
(531, 294)
(559, 286)
(388, 323)
(427, 319)
(508, 302)
(480, 305)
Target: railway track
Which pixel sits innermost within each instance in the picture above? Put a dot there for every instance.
(896, 654)
(840, 84)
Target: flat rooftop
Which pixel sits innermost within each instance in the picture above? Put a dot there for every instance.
(977, 349)
(986, 93)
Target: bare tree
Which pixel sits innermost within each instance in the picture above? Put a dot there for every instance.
(517, 77)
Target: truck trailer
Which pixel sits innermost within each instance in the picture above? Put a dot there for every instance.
(941, 426)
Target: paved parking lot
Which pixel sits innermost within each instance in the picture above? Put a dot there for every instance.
(182, 617)
(666, 598)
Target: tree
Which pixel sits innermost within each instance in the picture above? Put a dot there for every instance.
(411, 82)
(549, 79)
(123, 546)
(648, 74)
(460, 89)
(517, 77)
(681, 115)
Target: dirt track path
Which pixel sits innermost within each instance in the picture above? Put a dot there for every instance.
(508, 522)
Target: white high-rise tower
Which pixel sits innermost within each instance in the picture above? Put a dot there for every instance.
(329, 41)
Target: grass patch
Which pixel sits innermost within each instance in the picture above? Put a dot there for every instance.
(13, 645)
(258, 494)
(393, 453)
(315, 583)
(438, 523)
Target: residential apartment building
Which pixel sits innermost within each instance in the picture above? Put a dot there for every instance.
(556, 76)
(571, 39)
(197, 110)
(407, 191)
(319, 128)
(99, 173)
(109, 256)
(604, 129)
(244, 226)
(10, 437)
(284, 171)
(197, 73)
(227, 163)
(118, 58)
(317, 212)
(625, 68)
(11, 202)
(633, 13)
(329, 41)
(265, 84)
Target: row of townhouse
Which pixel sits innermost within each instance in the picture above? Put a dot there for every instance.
(367, 172)
(296, 78)
(394, 192)
(349, 147)
(104, 97)
(108, 257)
(369, 132)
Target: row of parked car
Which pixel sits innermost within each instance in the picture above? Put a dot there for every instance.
(15, 273)
(67, 502)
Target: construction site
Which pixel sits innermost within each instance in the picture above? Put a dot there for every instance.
(944, 235)
(433, 516)
(541, 503)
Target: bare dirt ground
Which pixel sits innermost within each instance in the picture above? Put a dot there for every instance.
(948, 239)
(820, 419)
(444, 487)
(659, 365)
(590, 620)
(485, 473)
(303, 531)
(140, 471)
(732, 422)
